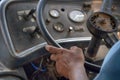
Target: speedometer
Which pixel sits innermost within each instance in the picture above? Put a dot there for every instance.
(77, 16)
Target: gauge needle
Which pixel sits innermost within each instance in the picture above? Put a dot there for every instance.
(78, 17)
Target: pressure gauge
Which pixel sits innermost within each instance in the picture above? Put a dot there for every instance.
(58, 27)
(77, 16)
(54, 13)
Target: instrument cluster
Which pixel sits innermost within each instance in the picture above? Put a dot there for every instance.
(64, 19)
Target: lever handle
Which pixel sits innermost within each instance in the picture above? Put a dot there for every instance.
(93, 47)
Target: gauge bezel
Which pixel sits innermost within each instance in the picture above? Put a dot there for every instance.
(54, 16)
(85, 15)
(60, 25)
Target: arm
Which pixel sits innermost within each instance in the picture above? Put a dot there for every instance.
(110, 69)
(69, 63)
(78, 73)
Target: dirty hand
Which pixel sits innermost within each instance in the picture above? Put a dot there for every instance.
(67, 60)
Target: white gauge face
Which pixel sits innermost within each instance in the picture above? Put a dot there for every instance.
(54, 13)
(77, 16)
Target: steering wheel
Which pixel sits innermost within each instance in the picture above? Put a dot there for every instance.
(50, 39)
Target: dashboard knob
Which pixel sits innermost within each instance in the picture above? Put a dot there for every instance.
(71, 29)
(29, 29)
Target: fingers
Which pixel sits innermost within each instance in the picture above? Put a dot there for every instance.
(61, 53)
(55, 50)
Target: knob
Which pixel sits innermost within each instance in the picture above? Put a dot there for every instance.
(29, 30)
(71, 29)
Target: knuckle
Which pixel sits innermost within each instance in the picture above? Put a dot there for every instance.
(52, 57)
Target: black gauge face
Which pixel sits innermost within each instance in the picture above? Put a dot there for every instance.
(77, 16)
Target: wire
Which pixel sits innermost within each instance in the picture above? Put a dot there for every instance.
(40, 66)
(92, 67)
(36, 73)
(37, 68)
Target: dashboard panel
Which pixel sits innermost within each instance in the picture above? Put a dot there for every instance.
(23, 28)
(22, 36)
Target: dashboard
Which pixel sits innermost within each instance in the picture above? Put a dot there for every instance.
(65, 20)
(61, 19)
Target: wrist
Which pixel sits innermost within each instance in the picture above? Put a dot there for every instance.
(78, 72)
(76, 66)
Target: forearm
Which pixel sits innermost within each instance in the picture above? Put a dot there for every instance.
(78, 73)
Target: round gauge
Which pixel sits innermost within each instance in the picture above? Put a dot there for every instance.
(54, 13)
(77, 16)
(58, 27)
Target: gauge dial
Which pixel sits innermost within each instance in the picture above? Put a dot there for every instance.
(54, 13)
(77, 16)
(58, 27)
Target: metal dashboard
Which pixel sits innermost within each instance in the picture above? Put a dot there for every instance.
(21, 36)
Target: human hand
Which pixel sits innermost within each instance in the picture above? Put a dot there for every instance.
(67, 60)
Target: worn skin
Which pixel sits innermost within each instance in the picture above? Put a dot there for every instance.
(69, 62)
